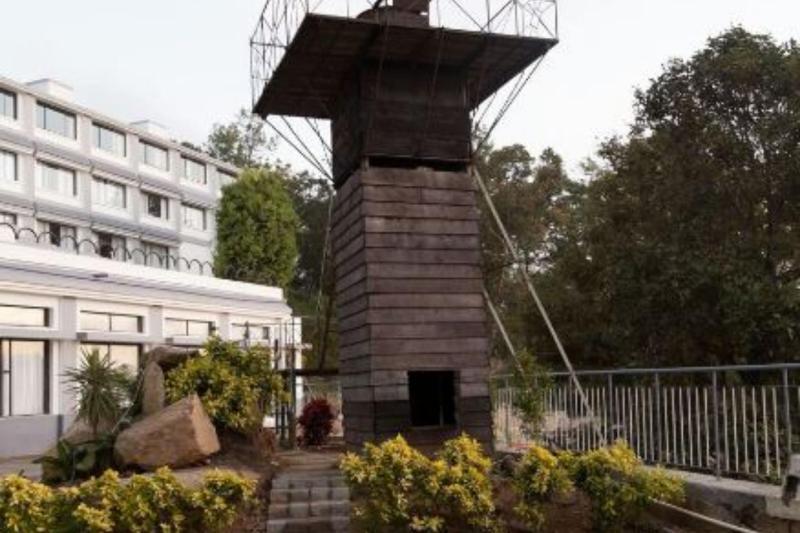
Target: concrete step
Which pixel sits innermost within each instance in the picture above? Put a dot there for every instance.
(309, 509)
(309, 494)
(310, 482)
(336, 524)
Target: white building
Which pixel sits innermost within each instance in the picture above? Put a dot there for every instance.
(106, 241)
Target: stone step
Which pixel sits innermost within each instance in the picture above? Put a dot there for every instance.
(335, 524)
(309, 494)
(307, 482)
(309, 509)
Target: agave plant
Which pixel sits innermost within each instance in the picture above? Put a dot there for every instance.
(70, 462)
(102, 389)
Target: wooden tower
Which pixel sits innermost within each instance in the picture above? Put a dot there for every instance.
(414, 343)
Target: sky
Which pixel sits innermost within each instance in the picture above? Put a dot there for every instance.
(185, 63)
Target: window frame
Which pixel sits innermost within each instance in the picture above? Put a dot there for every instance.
(110, 317)
(187, 161)
(15, 159)
(98, 127)
(46, 382)
(47, 314)
(163, 209)
(102, 183)
(59, 110)
(59, 240)
(109, 345)
(202, 210)
(186, 322)
(14, 103)
(148, 144)
(60, 168)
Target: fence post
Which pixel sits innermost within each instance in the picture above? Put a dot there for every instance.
(715, 410)
(659, 429)
(610, 409)
(787, 416)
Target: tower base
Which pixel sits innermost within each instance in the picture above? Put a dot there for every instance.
(414, 347)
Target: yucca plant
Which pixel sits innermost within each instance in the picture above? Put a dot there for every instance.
(102, 389)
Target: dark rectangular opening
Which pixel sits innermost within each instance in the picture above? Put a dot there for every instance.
(433, 398)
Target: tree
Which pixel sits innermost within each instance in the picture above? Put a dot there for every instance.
(685, 248)
(243, 142)
(256, 230)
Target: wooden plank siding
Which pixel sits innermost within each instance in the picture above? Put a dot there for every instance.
(409, 297)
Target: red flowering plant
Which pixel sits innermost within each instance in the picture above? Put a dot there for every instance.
(317, 422)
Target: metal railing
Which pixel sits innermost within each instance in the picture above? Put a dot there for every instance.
(736, 421)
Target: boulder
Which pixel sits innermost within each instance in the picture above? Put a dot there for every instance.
(170, 356)
(177, 436)
(153, 395)
(79, 431)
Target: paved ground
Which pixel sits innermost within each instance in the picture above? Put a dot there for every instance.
(22, 465)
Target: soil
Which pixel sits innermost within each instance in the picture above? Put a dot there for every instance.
(570, 514)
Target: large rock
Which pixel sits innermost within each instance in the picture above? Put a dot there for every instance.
(153, 395)
(170, 356)
(179, 435)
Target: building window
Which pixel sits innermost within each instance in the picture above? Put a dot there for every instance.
(56, 120)
(124, 356)
(57, 179)
(8, 218)
(110, 246)
(433, 398)
(156, 255)
(253, 332)
(109, 193)
(8, 166)
(177, 327)
(194, 217)
(24, 378)
(8, 104)
(59, 235)
(24, 316)
(157, 206)
(194, 171)
(110, 322)
(155, 156)
(109, 140)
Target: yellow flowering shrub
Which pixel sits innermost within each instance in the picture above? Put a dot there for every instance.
(397, 488)
(538, 478)
(620, 487)
(105, 505)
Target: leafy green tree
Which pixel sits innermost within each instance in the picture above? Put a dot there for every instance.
(243, 142)
(685, 248)
(256, 230)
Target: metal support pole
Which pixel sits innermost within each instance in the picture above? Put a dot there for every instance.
(715, 410)
(610, 409)
(787, 416)
(659, 421)
(293, 385)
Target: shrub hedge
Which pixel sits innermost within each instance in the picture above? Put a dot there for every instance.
(106, 505)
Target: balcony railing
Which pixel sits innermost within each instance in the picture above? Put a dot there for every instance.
(736, 421)
(70, 244)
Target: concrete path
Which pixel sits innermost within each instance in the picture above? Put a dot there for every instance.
(23, 465)
(308, 494)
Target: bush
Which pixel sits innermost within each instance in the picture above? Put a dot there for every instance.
(70, 462)
(398, 488)
(539, 478)
(620, 487)
(104, 504)
(237, 386)
(531, 383)
(317, 421)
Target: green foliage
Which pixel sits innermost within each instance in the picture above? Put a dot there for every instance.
(256, 230)
(531, 382)
(77, 461)
(102, 389)
(317, 421)
(620, 487)
(538, 479)
(143, 505)
(398, 488)
(243, 142)
(237, 386)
